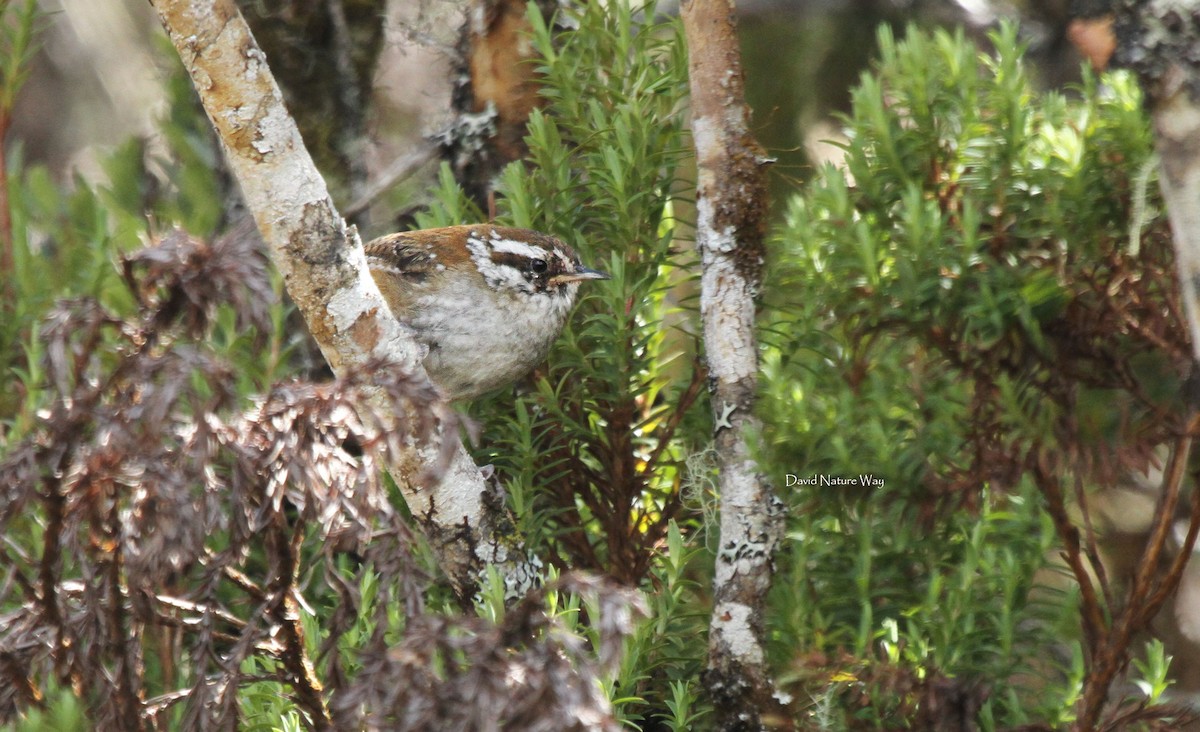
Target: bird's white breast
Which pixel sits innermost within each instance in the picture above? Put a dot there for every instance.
(478, 344)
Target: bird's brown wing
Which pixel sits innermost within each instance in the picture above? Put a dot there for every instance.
(401, 264)
(401, 255)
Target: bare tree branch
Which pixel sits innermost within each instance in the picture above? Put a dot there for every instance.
(1109, 644)
(326, 275)
(731, 221)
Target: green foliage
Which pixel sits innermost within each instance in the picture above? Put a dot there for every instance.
(17, 46)
(604, 152)
(941, 310)
(667, 650)
(265, 705)
(68, 238)
(62, 712)
(1153, 679)
(599, 469)
(607, 147)
(593, 454)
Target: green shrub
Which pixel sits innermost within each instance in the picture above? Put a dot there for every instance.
(959, 310)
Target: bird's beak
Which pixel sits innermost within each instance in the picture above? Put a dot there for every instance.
(581, 273)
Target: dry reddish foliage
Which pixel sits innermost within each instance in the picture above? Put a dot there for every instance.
(151, 514)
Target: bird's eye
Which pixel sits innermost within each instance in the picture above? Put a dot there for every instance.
(538, 266)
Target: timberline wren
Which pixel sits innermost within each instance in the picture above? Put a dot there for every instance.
(487, 301)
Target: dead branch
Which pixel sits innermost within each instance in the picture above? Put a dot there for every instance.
(283, 547)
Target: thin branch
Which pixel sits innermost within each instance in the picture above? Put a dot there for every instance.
(54, 503)
(1145, 588)
(178, 603)
(243, 582)
(1175, 571)
(284, 611)
(1145, 596)
(400, 169)
(1094, 624)
(1092, 548)
(128, 691)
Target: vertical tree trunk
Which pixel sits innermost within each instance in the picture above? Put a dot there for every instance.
(731, 222)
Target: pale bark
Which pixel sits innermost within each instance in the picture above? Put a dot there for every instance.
(1160, 40)
(325, 272)
(1177, 137)
(730, 226)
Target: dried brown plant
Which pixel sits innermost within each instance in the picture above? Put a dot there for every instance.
(150, 513)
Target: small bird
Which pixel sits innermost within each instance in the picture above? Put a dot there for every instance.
(487, 301)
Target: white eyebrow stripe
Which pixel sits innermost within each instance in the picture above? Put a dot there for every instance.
(520, 248)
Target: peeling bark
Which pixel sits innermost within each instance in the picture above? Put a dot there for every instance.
(325, 272)
(731, 223)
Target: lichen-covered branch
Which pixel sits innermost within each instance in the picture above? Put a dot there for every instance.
(324, 55)
(731, 220)
(326, 275)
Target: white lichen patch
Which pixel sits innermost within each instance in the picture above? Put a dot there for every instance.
(704, 132)
(749, 523)
(732, 626)
(349, 303)
(728, 311)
